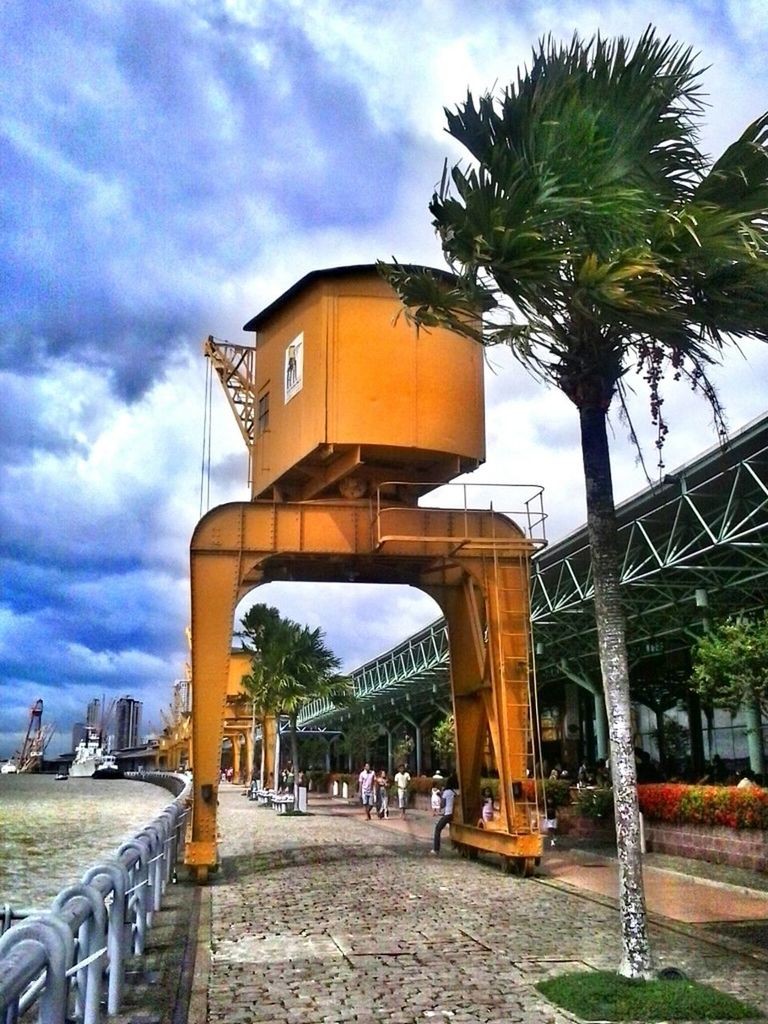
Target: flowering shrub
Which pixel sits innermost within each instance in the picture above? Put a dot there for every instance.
(419, 783)
(557, 791)
(595, 803)
(705, 805)
(422, 784)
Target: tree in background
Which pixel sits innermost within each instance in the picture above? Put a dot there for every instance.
(360, 734)
(661, 692)
(676, 739)
(444, 742)
(291, 667)
(592, 237)
(403, 750)
(730, 670)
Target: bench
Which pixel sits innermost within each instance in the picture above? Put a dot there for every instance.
(283, 802)
(261, 796)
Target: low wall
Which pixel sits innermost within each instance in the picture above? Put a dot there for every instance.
(601, 830)
(743, 848)
(172, 781)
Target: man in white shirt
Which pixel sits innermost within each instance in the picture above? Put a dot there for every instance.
(365, 785)
(402, 781)
(448, 798)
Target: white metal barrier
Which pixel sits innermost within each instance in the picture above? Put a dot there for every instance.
(59, 959)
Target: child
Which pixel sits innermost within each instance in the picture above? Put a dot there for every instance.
(435, 800)
(486, 813)
(550, 822)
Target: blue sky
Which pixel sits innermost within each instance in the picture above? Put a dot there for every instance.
(168, 168)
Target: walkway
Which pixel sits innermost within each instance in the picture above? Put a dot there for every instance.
(330, 918)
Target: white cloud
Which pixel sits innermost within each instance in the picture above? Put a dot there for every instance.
(360, 620)
(195, 187)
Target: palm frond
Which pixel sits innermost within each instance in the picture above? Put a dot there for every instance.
(732, 300)
(432, 299)
(738, 181)
(292, 664)
(585, 228)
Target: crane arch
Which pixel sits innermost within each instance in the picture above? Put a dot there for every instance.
(475, 564)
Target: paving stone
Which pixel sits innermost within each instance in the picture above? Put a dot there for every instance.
(328, 918)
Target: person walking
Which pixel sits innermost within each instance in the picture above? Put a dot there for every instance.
(550, 822)
(365, 781)
(403, 782)
(448, 798)
(382, 794)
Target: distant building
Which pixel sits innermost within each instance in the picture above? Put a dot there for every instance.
(79, 733)
(93, 714)
(127, 723)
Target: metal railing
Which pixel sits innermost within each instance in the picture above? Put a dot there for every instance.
(521, 505)
(62, 959)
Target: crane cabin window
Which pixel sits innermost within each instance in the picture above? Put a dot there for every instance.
(262, 420)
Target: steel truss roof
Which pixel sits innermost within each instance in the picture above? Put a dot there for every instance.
(694, 547)
(412, 674)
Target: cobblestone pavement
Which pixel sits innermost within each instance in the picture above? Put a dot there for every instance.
(329, 918)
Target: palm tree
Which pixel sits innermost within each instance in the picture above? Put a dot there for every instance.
(258, 625)
(303, 669)
(291, 667)
(592, 237)
(253, 684)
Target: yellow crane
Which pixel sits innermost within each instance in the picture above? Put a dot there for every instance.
(351, 417)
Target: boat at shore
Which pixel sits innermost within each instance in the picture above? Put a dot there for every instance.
(91, 761)
(108, 768)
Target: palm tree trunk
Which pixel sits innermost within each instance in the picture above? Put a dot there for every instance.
(611, 634)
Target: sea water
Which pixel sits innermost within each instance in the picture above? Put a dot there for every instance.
(52, 831)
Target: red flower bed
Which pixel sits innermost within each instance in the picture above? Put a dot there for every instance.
(705, 805)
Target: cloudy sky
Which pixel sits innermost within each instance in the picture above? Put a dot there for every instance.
(168, 168)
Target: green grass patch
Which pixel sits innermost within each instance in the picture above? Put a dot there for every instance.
(603, 995)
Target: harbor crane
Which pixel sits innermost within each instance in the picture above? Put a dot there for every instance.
(37, 738)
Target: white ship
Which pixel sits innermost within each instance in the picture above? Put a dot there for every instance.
(91, 760)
